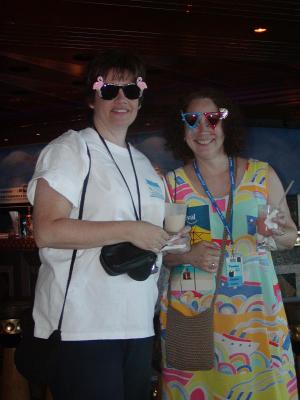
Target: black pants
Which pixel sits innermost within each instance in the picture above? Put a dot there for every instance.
(104, 370)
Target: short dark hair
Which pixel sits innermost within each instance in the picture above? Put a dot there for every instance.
(121, 61)
(232, 125)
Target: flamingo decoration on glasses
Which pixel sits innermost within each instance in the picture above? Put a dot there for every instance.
(99, 83)
(140, 83)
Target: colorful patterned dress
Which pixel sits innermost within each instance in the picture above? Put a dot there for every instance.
(253, 354)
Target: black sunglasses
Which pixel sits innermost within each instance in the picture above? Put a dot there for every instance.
(109, 91)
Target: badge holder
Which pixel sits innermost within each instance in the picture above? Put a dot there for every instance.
(234, 268)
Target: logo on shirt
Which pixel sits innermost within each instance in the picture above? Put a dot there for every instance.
(154, 189)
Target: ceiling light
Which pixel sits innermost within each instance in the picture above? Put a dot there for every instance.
(260, 30)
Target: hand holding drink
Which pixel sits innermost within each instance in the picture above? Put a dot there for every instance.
(175, 214)
(174, 224)
(266, 220)
(270, 220)
(269, 223)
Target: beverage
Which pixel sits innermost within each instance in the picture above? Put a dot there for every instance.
(264, 223)
(174, 223)
(15, 219)
(262, 228)
(175, 214)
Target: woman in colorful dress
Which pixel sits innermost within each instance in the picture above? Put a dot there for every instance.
(253, 356)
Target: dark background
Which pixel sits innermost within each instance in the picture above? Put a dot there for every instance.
(45, 45)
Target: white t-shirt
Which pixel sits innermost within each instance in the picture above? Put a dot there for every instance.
(98, 306)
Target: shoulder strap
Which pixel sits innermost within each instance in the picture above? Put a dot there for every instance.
(75, 251)
(175, 186)
(223, 248)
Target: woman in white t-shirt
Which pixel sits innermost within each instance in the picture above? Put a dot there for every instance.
(107, 327)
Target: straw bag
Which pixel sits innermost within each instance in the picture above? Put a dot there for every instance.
(190, 339)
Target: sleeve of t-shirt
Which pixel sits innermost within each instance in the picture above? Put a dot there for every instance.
(63, 163)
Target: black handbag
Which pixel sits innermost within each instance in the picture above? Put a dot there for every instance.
(35, 358)
(125, 257)
(121, 258)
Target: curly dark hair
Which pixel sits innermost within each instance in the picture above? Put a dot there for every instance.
(121, 61)
(232, 126)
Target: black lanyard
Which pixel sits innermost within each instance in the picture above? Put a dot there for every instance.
(138, 215)
(211, 198)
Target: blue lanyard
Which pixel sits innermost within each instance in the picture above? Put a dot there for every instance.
(211, 198)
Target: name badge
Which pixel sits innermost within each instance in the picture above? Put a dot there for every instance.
(234, 267)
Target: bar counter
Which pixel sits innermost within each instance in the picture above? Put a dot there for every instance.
(19, 264)
(17, 244)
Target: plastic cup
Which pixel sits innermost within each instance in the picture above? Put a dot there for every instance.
(266, 212)
(15, 219)
(175, 214)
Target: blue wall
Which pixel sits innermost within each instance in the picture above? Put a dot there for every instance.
(280, 147)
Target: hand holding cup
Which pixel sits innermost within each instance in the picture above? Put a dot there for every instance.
(175, 214)
(270, 220)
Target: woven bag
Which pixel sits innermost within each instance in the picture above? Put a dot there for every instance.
(189, 340)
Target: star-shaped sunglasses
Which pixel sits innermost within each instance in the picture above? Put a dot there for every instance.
(109, 91)
(193, 119)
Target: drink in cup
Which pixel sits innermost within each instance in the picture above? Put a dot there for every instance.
(175, 214)
(264, 223)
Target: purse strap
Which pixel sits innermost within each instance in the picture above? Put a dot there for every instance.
(175, 186)
(75, 250)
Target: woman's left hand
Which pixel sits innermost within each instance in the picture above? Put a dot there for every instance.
(286, 234)
(280, 220)
(182, 239)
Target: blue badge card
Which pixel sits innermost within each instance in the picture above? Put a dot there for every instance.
(234, 267)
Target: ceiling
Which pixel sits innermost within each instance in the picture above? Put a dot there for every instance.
(45, 45)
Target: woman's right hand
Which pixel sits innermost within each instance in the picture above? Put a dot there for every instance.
(205, 255)
(148, 236)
